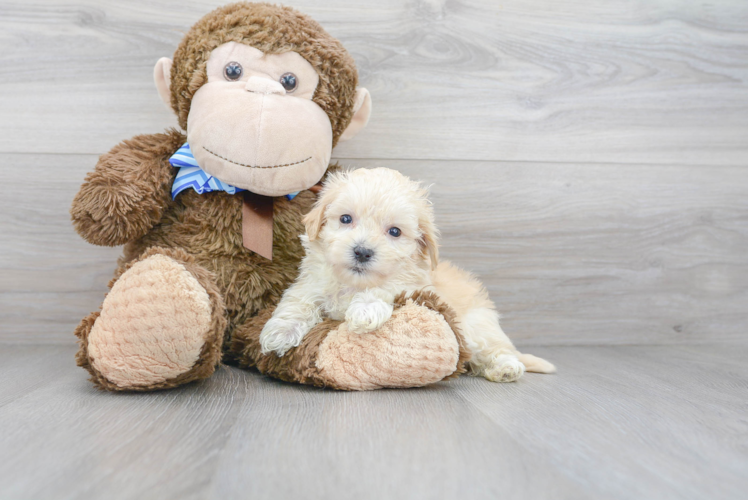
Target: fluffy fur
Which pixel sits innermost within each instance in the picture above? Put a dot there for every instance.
(334, 283)
(127, 200)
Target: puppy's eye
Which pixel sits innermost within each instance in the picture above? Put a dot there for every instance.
(346, 219)
(394, 231)
(289, 82)
(233, 71)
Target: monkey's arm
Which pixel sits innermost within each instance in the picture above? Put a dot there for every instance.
(128, 190)
(419, 345)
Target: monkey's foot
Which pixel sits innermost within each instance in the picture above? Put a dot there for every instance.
(160, 326)
(417, 346)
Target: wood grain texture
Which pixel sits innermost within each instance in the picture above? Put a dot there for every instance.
(624, 81)
(617, 422)
(655, 414)
(583, 254)
(599, 253)
(49, 277)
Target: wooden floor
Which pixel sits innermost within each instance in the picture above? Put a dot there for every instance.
(624, 422)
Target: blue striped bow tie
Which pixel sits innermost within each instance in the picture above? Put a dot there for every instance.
(190, 175)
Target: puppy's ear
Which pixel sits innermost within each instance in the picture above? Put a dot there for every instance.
(315, 219)
(429, 240)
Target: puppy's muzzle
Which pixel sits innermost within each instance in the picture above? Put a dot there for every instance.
(362, 254)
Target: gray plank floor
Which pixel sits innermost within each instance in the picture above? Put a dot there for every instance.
(623, 422)
(588, 162)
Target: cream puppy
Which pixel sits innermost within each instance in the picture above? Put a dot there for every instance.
(370, 236)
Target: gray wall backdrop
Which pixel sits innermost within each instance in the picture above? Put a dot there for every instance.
(589, 159)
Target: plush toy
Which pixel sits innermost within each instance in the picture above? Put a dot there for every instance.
(210, 220)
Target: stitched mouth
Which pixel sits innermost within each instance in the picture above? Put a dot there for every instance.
(256, 166)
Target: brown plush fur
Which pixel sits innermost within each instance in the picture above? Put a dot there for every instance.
(205, 226)
(299, 363)
(128, 191)
(208, 227)
(272, 29)
(210, 354)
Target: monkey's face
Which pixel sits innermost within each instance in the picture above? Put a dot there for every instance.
(264, 93)
(254, 125)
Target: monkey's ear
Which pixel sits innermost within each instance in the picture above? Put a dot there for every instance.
(361, 114)
(162, 77)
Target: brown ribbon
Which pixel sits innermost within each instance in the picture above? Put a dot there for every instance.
(257, 224)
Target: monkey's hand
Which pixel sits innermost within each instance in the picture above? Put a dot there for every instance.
(125, 195)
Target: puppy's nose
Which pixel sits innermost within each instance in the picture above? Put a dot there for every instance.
(363, 254)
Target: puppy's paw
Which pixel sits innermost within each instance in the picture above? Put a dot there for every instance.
(504, 368)
(279, 335)
(366, 314)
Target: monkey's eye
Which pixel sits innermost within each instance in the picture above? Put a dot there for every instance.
(394, 231)
(288, 80)
(232, 71)
(346, 219)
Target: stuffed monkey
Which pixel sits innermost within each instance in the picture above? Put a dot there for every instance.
(210, 220)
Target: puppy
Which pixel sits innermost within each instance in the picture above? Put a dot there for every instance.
(370, 236)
